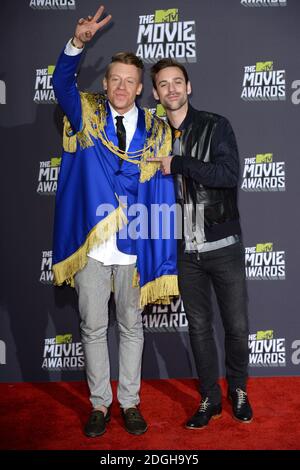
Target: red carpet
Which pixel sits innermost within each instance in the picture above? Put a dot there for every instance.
(51, 416)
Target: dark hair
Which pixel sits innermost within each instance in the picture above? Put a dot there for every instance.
(163, 64)
(128, 58)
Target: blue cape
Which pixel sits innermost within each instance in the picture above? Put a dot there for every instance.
(91, 176)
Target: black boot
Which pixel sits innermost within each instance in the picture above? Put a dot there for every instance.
(241, 407)
(203, 415)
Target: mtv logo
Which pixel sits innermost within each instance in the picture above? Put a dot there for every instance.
(160, 111)
(51, 69)
(2, 353)
(267, 334)
(62, 339)
(263, 247)
(55, 161)
(264, 66)
(166, 16)
(264, 158)
(2, 92)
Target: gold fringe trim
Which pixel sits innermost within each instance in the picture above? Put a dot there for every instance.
(161, 147)
(159, 291)
(69, 139)
(90, 102)
(66, 269)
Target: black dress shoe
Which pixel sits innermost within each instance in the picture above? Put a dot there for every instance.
(96, 424)
(202, 417)
(134, 421)
(241, 407)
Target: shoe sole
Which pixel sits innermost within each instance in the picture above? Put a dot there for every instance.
(136, 433)
(248, 421)
(194, 428)
(95, 435)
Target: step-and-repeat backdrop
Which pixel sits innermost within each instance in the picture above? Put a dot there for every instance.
(243, 61)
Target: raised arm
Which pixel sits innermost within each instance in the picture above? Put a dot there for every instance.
(64, 77)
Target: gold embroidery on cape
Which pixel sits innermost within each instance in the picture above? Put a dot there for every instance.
(158, 144)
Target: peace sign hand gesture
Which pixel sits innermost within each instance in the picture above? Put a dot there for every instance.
(87, 27)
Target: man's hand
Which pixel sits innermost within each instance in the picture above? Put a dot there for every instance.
(87, 27)
(165, 164)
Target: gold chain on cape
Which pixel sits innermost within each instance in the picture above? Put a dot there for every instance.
(152, 142)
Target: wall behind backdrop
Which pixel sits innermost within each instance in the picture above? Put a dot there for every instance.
(243, 63)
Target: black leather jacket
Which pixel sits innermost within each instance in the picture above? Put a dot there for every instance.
(209, 165)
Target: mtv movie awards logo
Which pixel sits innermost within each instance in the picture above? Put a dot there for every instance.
(48, 176)
(2, 92)
(163, 35)
(44, 92)
(159, 111)
(165, 318)
(262, 263)
(53, 4)
(265, 350)
(263, 174)
(60, 353)
(261, 82)
(264, 3)
(46, 276)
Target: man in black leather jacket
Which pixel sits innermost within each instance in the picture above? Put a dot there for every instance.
(210, 252)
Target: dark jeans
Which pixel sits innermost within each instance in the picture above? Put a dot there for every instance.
(224, 269)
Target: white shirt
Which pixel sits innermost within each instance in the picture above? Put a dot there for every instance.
(108, 253)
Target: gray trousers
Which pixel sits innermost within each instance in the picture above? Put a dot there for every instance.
(93, 286)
